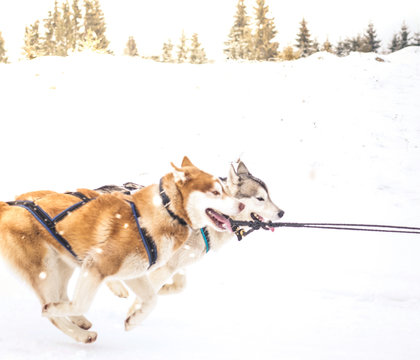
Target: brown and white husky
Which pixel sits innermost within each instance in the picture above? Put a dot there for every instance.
(104, 236)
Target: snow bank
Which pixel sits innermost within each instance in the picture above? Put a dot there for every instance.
(409, 54)
(335, 139)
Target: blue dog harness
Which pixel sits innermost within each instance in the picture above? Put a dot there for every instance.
(50, 224)
(166, 201)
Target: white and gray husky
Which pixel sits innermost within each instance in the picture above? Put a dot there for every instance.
(170, 278)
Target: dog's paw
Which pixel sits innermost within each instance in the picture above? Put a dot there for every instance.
(134, 320)
(88, 338)
(118, 289)
(130, 324)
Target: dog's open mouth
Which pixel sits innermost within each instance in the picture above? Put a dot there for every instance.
(260, 218)
(221, 221)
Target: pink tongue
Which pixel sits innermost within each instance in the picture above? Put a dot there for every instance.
(223, 220)
(262, 219)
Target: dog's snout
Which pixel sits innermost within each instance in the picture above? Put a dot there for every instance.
(280, 214)
(241, 206)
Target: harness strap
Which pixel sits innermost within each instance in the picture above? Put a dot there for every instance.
(206, 238)
(79, 195)
(66, 212)
(45, 220)
(50, 224)
(147, 240)
(166, 201)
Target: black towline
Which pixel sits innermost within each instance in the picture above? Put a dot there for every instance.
(257, 225)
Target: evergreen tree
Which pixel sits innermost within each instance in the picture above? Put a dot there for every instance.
(182, 49)
(355, 43)
(32, 45)
(3, 57)
(167, 52)
(197, 53)
(315, 46)
(370, 40)
(400, 40)
(239, 45)
(327, 46)
(48, 43)
(304, 42)
(89, 21)
(94, 21)
(349, 45)
(59, 32)
(395, 43)
(340, 49)
(416, 39)
(404, 36)
(91, 43)
(289, 54)
(67, 29)
(131, 47)
(76, 25)
(264, 48)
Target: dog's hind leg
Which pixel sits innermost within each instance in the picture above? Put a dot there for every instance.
(50, 285)
(144, 290)
(87, 285)
(65, 271)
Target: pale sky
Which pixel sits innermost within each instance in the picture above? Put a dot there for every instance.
(153, 22)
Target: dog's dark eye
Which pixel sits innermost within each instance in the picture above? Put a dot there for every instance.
(216, 193)
(260, 199)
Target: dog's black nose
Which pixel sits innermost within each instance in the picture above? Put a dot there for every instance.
(280, 213)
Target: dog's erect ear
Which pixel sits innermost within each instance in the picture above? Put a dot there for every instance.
(180, 175)
(233, 177)
(242, 169)
(186, 162)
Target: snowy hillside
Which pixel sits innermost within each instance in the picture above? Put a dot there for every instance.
(335, 139)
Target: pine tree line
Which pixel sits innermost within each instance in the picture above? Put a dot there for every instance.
(369, 42)
(187, 51)
(403, 39)
(68, 28)
(247, 43)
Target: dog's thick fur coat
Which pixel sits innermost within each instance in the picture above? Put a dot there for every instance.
(104, 235)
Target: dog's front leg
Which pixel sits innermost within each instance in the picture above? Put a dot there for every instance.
(178, 284)
(86, 288)
(144, 290)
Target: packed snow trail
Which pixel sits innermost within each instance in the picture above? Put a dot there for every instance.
(335, 139)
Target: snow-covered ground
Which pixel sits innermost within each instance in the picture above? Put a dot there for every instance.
(335, 139)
